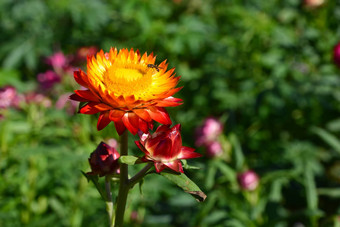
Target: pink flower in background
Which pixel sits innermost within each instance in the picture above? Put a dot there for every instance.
(336, 54)
(113, 143)
(64, 102)
(214, 149)
(38, 99)
(8, 97)
(248, 180)
(313, 3)
(209, 131)
(48, 79)
(57, 60)
(104, 160)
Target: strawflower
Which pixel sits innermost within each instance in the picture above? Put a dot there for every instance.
(248, 180)
(104, 160)
(164, 148)
(208, 132)
(214, 149)
(127, 88)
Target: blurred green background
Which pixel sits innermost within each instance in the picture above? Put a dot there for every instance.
(264, 68)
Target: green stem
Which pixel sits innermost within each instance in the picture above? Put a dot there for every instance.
(123, 186)
(109, 203)
(135, 179)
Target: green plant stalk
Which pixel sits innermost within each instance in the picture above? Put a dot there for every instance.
(135, 179)
(109, 203)
(123, 185)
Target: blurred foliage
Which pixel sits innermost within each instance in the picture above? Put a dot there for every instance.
(264, 66)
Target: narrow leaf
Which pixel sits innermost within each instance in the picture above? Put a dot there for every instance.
(94, 179)
(328, 138)
(182, 181)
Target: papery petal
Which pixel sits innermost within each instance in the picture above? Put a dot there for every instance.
(116, 115)
(175, 165)
(120, 127)
(142, 113)
(170, 101)
(103, 120)
(159, 166)
(80, 77)
(160, 115)
(131, 123)
(89, 108)
(163, 150)
(76, 97)
(87, 94)
(143, 126)
(188, 152)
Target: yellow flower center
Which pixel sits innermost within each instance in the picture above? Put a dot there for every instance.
(128, 79)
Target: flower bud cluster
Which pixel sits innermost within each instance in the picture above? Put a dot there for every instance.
(207, 136)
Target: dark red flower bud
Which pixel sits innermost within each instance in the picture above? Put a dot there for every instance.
(248, 180)
(164, 148)
(104, 160)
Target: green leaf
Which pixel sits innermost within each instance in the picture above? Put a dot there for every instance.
(130, 160)
(328, 138)
(94, 179)
(182, 181)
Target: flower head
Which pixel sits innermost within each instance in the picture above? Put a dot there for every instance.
(104, 160)
(127, 88)
(164, 148)
(248, 180)
(209, 131)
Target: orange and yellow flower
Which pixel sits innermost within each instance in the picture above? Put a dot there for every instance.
(127, 88)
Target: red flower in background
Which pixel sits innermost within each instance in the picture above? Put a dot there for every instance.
(336, 54)
(164, 148)
(104, 160)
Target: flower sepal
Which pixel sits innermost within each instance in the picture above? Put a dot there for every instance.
(130, 160)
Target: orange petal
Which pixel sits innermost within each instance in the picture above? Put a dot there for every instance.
(142, 113)
(130, 121)
(159, 114)
(92, 108)
(170, 101)
(116, 115)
